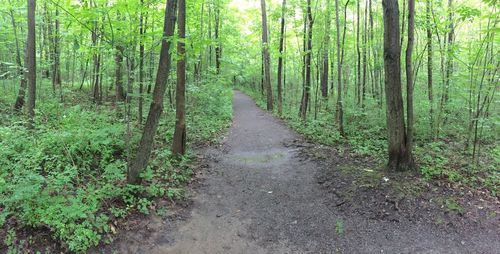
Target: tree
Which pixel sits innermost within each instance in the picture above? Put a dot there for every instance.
(218, 49)
(266, 56)
(22, 88)
(409, 80)
(428, 7)
(399, 156)
(280, 58)
(142, 31)
(179, 140)
(156, 107)
(120, 93)
(31, 61)
(339, 113)
(307, 63)
(326, 46)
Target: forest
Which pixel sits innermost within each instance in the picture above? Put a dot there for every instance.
(106, 105)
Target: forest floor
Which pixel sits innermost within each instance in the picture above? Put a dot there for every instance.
(265, 189)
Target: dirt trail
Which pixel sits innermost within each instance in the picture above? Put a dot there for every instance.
(259, 195)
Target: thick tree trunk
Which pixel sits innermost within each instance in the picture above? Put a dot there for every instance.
(280, 58)
(31, 62)
(399, 158)
(156, 108)
(179, 140)
(267, 60)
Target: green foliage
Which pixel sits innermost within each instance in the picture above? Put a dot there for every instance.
(68, 175)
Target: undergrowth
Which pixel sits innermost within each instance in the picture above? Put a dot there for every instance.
(68, 175)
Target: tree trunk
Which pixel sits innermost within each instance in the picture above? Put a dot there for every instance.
(218, 50)
(179, 140)
(324, 74)
(363, 85)
(142, 31)
(56, 71)
(409, 80)
(339, 112)
(267, 60)
(308, 56)
(18, 105)
(31, 62)
(119, 92)
(399, 158)
(156, 108)
(358, 52)
(280, 58)
(429, 64)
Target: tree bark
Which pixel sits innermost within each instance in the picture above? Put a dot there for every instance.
(399, 158)
(179, 140)
(267, 60)
(156, 108)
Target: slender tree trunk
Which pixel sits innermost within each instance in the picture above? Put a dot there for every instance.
(308, 57)
(324, 75)
(218, 50)
(18, 105)
(267, 60)
(363, 85)
(119, 92)
(429, 64)
(142, 31)
(358, 52)
(399, 158)
(409, 80)
(280, 58)
(343, 44)
(156, 108)
(448, 70)
(339, 112)
(31, 62)
(179, 140)
(56, 72)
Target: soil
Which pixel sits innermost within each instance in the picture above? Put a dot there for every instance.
(265, 189)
